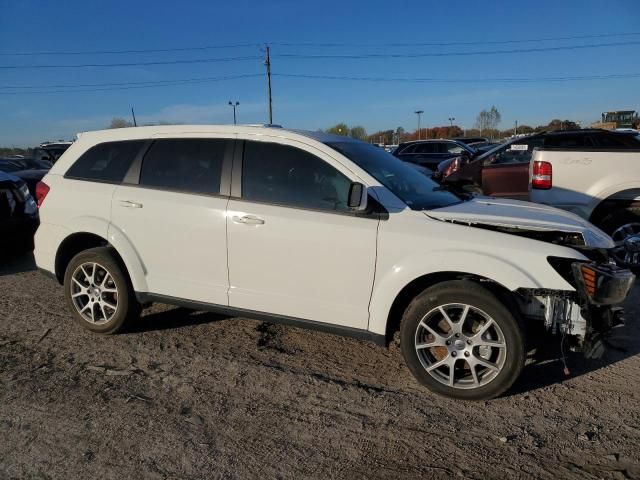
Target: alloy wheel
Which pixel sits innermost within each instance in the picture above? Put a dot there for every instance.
(94, 293)
(460, 346)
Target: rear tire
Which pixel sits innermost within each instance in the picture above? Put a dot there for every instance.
(478, 339)
(98, 291)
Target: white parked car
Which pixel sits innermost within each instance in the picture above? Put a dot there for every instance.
(324, 232)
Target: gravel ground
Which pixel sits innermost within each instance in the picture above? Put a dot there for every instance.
(196, 395)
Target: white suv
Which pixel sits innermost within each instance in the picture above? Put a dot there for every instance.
(324, 232)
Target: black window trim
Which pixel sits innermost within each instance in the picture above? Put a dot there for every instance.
(375, 210)
(132, 177)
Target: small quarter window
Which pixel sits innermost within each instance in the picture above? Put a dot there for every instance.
(105, 162)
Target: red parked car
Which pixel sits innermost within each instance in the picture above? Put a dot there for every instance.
(504, 170)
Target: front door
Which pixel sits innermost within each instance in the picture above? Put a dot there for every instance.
(505, 173)
(295, 249)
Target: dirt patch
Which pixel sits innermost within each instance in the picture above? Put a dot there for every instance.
(196, 395)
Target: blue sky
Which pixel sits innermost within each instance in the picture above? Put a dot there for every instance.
(35, 26)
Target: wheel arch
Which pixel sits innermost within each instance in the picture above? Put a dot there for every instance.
(71, 246)
(419, 284)
(83, 240)
(621, 199)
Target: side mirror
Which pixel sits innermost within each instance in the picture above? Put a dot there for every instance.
(357, 197)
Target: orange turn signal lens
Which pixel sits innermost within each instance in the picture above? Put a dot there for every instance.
(590, 279)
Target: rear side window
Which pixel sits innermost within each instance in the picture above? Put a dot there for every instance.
(569, 141)
(289, 176)
(612, 141)
(427, 148)
(454, 148)
(105, 162)
(191, 165)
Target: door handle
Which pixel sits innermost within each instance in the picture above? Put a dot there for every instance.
(248, 220)
(129, 204)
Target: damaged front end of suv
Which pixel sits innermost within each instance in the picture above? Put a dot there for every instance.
(586, 315)
(583, 317)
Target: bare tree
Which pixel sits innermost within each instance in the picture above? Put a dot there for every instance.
(488, 120)
(118, 122)
(358, 132)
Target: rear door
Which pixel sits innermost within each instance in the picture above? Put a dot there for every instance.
(506, 172)
(172, 208)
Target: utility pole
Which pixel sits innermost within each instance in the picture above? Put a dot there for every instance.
(419, 112)
(234, 105)
(268, 65)
(451, 119)
(515, 132)
(133, 114)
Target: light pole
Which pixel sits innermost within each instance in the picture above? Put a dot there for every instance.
(451, 119)
(234, 105)
(419, 112)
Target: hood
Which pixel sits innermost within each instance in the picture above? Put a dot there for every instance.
(520, 217)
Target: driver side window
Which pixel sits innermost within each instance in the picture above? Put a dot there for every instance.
(289, 176)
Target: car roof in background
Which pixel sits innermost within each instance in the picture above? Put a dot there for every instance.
(432, 140)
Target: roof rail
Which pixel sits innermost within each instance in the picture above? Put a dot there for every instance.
(269, 125)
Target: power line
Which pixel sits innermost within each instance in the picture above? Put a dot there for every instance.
(161, 83)
(328, 56)
(116, 52)
(137, 64)
(453, 54)
(315, 44)
(116, 84)
(135, 85)
(460, 80)
(447, 44)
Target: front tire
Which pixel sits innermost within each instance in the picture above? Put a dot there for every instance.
(460, 341)
(622, 224)
(98, 291)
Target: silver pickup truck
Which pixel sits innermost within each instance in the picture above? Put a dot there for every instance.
(600, 185)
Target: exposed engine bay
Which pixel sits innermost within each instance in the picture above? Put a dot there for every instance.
(584, 316)
(585, 329)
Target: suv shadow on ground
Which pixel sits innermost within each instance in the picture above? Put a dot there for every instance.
(171, 319)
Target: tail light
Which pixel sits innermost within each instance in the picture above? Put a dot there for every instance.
(42, 189)
(542, 175)
(453, 167)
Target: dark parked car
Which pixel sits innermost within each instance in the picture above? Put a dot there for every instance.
(482, 147)
(28, 169)
(18, 214)
(50, 151)
(504, 170)
(429, 153)
(470, 140)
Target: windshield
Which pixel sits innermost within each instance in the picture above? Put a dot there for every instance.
(504, 146)
(415, 189)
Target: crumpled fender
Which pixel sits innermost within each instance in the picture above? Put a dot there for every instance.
(529, 272)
